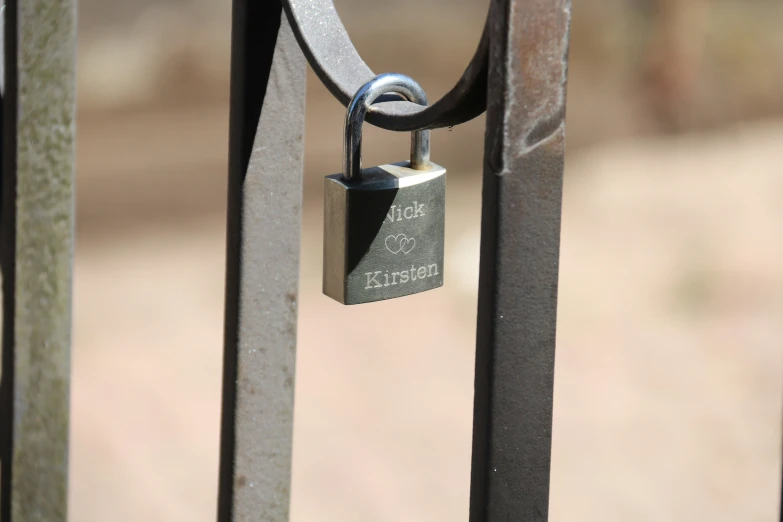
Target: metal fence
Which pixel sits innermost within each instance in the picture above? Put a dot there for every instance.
(518, 75)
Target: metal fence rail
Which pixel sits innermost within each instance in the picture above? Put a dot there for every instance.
(518, 74)
(265, 197)
(520, 246)
(36, 250)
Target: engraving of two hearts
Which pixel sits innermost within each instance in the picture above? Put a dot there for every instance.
(400, 243)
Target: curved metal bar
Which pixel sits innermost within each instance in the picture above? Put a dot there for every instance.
(357, 111)
(331, 54)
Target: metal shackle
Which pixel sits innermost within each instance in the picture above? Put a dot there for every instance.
(357, 110)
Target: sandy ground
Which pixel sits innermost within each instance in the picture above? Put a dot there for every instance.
(670, 351)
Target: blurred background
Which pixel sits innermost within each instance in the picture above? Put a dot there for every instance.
(670, 331)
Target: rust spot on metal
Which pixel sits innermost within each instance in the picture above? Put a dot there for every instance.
(538, 78)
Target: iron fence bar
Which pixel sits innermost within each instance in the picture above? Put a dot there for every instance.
(36, 251)
(523, 173)
(264, 221)
(337, 63)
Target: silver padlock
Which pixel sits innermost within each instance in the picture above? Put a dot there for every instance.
(383, 226)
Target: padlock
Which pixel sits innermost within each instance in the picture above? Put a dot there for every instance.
(383, 226)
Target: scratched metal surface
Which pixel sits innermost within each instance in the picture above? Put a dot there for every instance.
(265, 195)
(523, 176)
(37, 249)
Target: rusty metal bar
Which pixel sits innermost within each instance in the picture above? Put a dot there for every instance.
(264, 221)
(36, 250)
(523, 176)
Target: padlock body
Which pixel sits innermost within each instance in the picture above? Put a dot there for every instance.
(384, 234)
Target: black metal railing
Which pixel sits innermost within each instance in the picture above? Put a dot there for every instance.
(525, 144)
(518, 75)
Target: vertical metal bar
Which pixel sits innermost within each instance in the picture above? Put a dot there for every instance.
(264, 221)
(523, 174)
(36, 239)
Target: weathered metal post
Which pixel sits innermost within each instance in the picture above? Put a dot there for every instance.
(36, 249)
(520, 246)
(264, 220)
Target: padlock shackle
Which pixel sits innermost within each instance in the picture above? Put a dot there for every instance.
(357, 110)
